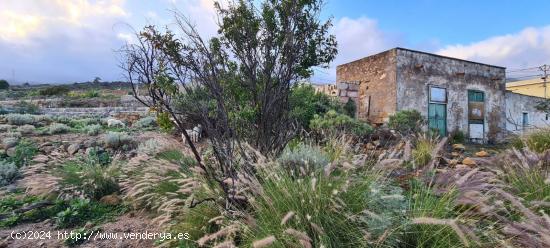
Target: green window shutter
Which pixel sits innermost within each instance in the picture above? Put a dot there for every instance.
(475, 96)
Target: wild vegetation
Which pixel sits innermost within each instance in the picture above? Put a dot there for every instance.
(272, 163)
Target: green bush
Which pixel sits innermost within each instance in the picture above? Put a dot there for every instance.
(57, 128)
(164, 122)
(24, 152)
(54, 91)
(333, 122)
(538, 140)
(88, 178)
(350, 108)
(146, 122)
(20, 119)
(4, 85)
(81, 211)
(303, 157)
(11, 202)
(93, 130)
(458, 137)
(8, 172)
(24, 107)
(116, 140)
(406, 121)
(305, 104)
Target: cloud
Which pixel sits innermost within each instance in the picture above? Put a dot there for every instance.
(58, 40)
(528, 48)
(357, 38)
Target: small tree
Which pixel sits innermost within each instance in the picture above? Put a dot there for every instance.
(4, 85)
(237, 85)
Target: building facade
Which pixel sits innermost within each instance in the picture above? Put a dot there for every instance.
(452, 94)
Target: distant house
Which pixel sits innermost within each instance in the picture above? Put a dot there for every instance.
(328, 89)
(531, 87)
(452, 94)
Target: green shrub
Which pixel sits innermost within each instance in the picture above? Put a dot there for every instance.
(54, 91)
(457, 137)
(93, 130)
(81, 211)
(57, 128)
(26, 129)
(20, 119)
(4, 85)
(62, 119)
(538, 140)
(350, 108)
(116, 140)
(8, 172)
(406, 121)
(305, 103)
(89, 179)
(24, 152)
(14, 201)
(146, 122)
(164, 122)
(303, 157)
(24, 107)
(333, 122)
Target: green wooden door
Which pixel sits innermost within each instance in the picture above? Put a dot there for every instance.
(437, 118)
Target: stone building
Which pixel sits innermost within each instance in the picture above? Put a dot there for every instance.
(522, 114)
(327, 89)
(452, 94)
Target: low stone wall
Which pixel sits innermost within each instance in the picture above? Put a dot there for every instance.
(103, 112)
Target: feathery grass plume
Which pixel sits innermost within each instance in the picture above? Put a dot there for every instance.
(224, 232)
(287, 217)
(265, 242)
(446, 222)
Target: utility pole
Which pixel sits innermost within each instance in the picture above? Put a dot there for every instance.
(545, 69)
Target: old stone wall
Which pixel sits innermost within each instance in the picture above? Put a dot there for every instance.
(416, 71)
(371, 83)
(516, 106)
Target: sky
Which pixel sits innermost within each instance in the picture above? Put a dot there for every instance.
(65, 41)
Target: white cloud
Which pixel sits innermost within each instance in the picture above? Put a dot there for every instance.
(357, 38)
(528, 48)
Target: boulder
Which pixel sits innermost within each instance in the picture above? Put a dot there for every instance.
(46, 149)
(111, 200)
(73, 148)
(10, 152)
(89, 143)
(459, 147)
(469, 162)
(482, 154)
